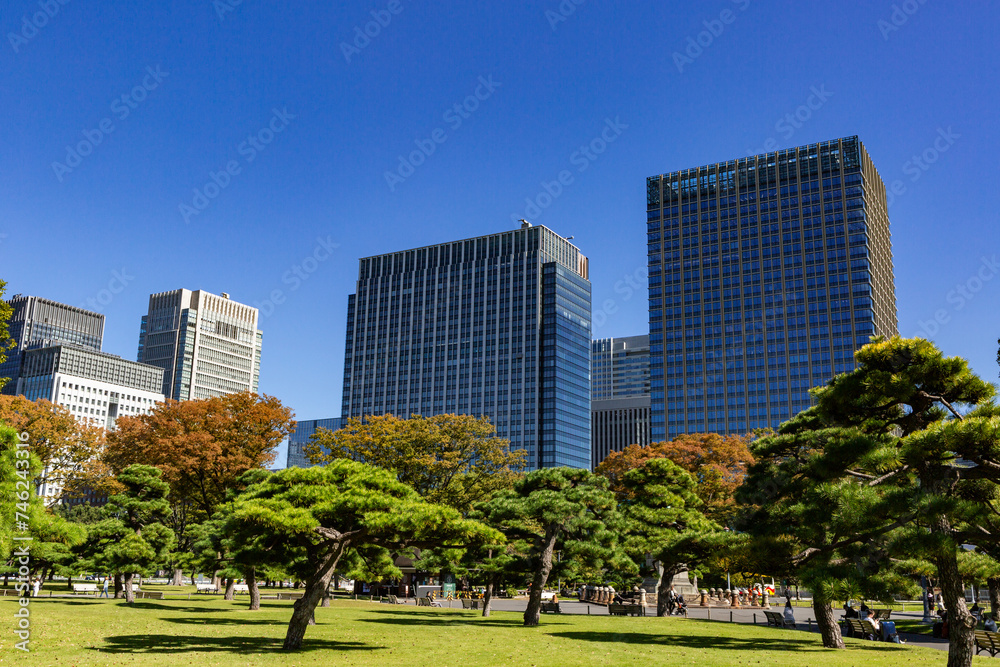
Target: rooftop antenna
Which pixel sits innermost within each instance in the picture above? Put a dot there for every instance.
(524, 223)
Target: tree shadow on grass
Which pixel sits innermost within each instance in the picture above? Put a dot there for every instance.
(444, 619)
(171, 644)
(715, 642)
(215, 620)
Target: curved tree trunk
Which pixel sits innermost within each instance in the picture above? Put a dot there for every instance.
(193, 581)
(993, 584)
(533, 612)
(254, 588)
(178, 577)
(304, 609)
(119, 586)
(827, 623)
(488, 595)
(961, 624)
(230, 588)
(129, 593)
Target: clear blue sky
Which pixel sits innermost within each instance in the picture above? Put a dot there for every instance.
(553, 84)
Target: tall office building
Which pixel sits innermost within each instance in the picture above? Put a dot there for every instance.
(299, 438)
(766, 273)
(207, 345)
(40, 322)
(497, 325)
(619, 408)
(95, 386)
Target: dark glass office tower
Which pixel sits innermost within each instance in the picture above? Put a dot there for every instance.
(38, 322)
(766, 273)
(497, 325)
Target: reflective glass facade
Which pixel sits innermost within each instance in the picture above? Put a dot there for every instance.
(766, 273)
(497, 325)
(300, 437)
(38, 322)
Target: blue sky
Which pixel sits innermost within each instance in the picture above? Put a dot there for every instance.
(166, 97)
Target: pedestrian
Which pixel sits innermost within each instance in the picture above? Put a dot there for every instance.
(990, 625)
(37, 585)
(789, 613)
(104, 588)
(671, 601)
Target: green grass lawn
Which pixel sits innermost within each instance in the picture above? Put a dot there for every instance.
(215, 632)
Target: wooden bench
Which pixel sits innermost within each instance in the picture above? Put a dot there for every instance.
(207, 588)
(551, 607)
(881, 614)
(987, 641)
(778, 620)
(84, 588)
(861, 629)
(469, 603)
(290, 595)
(623, 609)
(241, 588)
(427, 602)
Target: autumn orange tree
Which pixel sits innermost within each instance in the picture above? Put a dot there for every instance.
(202, 447)
(454, 460)
(68, 449)
(718, 464)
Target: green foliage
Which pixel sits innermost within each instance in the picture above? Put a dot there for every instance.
(664, 518)
(132, 539)
(6, 341)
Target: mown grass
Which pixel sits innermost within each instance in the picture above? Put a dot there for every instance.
(211, 631)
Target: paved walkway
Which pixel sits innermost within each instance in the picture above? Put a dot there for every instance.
(804, 616)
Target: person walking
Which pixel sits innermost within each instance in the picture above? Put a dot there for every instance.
(37, 586)
(104, 588)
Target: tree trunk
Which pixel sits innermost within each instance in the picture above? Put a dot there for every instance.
(254, 589)
(178, 577)
(827, 623)
(69, 582)
(6, 579)
(961, 624)
(488, 595)
(193, 581)
(230, 588)
(993, 584)
(533, 612)
(119, 586)
(666, 576)
(129, 593)
(304, 609)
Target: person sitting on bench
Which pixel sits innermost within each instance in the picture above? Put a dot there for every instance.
(789, 613)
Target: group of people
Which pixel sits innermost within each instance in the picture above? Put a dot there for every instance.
(675, 602)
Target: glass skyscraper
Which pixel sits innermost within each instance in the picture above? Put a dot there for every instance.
(497, 325)
(38, 322)
(207, 345)
(620, 403)
(766, 273)
(299, 438)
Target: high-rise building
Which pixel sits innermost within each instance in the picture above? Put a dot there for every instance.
(766, 273)
(620, 401)
(207, 345)
(299, 438)
(497, 325)
(38, 322)
(95, 386)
